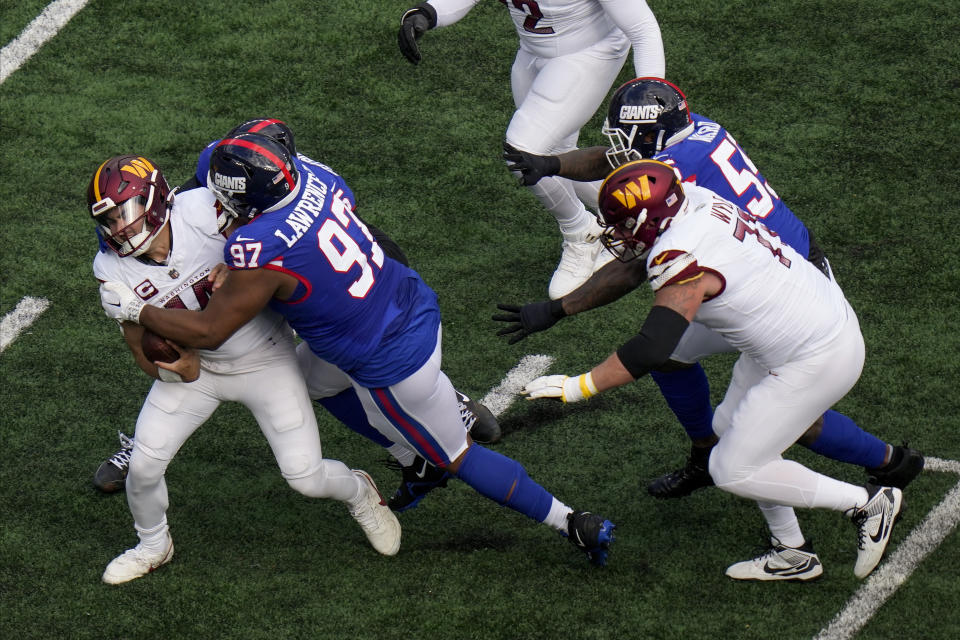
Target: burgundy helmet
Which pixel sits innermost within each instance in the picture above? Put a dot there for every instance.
(637, 202)
(130, 201)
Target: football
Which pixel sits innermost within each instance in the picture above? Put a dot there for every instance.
(156, 348)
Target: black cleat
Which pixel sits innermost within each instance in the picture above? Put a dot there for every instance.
(419, 479)
(592, 534)
(111, 475)
(905, 465)
(682, 482)
(479, 421)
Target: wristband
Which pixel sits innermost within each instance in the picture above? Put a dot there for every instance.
(580, 387)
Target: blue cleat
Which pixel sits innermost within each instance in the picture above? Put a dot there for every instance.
(591, 533)
(419, 479)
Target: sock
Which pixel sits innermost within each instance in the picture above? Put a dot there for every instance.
(347, 408)
(841, 439)
(154, 538)
(896, 457)
(402, 454)
(687, 393)
(783, 524)
(557, 518)
(498, 477)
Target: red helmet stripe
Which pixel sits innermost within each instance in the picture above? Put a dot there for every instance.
(264, 123)
(265, 153)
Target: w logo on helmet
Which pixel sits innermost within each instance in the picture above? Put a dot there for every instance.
(633, 191)
(141, 167)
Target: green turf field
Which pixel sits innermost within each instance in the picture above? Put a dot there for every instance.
(849, 108)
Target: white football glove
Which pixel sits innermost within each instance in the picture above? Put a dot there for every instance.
(120, 302)
(560, 387)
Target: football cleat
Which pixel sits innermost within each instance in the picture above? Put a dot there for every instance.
(592, 534)
(576, 264)
(419, 479)
(136, 563)
(684, 481)
(372, 513)
(874, 522)
(111, 475)
(905, 465)
(479, 421)
(779, 563)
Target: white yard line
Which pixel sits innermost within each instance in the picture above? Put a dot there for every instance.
(13, 324)
(885, 580)
(42, 28)
(529, 367)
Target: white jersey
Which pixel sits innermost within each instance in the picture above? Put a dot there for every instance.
(552, 28)
(774, 305)
(182, 283)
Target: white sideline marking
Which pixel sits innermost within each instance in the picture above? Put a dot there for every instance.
(529, 367)
(42, 28)
(23, 315)
(883, 582)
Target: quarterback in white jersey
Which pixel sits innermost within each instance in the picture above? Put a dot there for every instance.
(164, 245)
(717, 271)
(570, 53)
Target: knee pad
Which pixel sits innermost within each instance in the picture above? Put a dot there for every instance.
(144, 472)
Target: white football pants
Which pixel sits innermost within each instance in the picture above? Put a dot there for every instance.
(765, 411)
(555, 97)
(275, 394)
(420, 413)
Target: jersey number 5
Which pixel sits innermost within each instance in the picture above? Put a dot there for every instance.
(742, 180)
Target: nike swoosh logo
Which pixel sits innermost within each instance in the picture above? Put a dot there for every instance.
(423, 470)
(806, 566)
(242, 239)
(883, 528)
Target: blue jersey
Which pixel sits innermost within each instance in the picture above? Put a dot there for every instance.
(356, 308)
(711, 158)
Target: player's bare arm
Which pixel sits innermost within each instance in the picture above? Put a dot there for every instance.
(584, 165)
(609, 283)
(673, 309)
(242, 296)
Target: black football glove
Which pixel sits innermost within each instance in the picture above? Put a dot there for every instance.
(530, 318)
(531, 167)
(413, 24)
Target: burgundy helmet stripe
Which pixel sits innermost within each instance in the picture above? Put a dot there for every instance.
(266, 153)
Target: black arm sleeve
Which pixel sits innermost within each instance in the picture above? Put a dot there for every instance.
(659, 336)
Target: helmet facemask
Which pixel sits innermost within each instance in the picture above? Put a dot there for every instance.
(622, 238)
(621, 149)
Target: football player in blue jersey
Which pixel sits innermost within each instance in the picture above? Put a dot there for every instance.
(418, 477)
(366, 320)
(650, 118)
